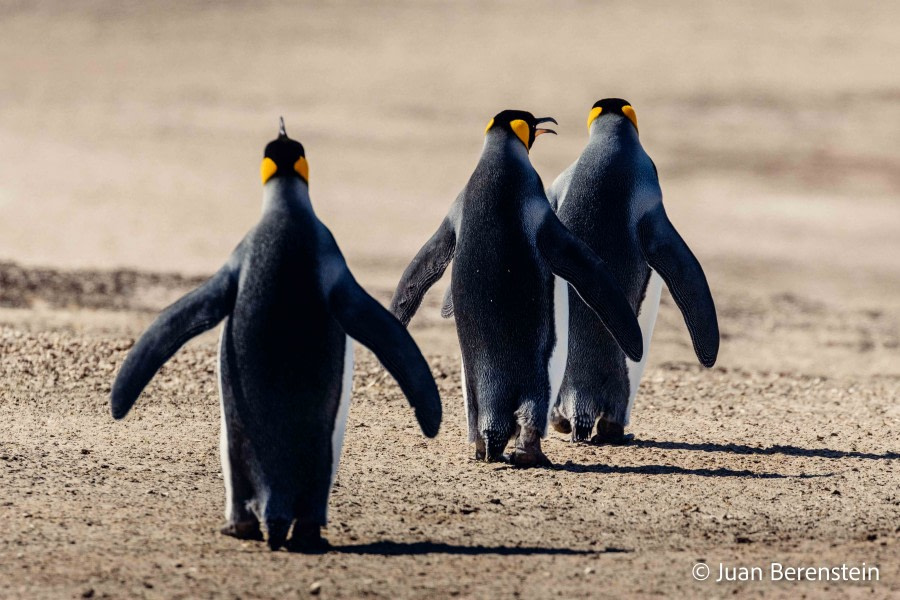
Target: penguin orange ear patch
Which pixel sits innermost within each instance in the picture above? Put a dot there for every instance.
(267, 169)
(302, 168)
(595, 112)
(488, 128)
(628, 111)
(521, 129)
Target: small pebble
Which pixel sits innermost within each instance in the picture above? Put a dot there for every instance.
(315, 588)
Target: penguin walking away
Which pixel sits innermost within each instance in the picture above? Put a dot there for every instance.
(512, 259)
(610, 198)
(291, 309)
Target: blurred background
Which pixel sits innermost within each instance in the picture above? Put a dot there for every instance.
(131, 132)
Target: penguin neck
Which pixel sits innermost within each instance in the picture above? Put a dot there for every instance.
(500, 146)
(286, 193)
(613, 132)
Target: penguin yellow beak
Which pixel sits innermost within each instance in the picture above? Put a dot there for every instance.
(267, 169)
(540, 130)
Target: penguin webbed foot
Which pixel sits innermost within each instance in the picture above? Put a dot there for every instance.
(480, 450)
(277, 532)
(243, 530)
(610, 433)
(559, 423)
(528, 453)
(527, 459)
(307, 539)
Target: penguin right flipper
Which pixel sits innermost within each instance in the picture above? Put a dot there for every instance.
(425, 269)
(670, 256)
(198, 311)
(574, 261)
(369, 323)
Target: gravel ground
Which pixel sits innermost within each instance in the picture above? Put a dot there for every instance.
(741, 466)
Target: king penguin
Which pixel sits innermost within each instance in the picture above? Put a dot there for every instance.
(291, 309)
(610, 198)
(512, 259)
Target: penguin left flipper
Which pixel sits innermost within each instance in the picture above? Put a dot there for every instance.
(423, 272)
(369, 323)
(574, 261)
(668, 254)
(447, 304)
(198, 311)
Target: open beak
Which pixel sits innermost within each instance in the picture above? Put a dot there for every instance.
(538, 131)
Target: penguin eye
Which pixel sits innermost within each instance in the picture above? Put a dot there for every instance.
(267, 169)
(521, 129)
(628, 111)
(302, 168)
(595, 112)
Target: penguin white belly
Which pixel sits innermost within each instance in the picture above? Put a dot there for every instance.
(556, 366)
(224, 455)
(647, 312)
(340, 420)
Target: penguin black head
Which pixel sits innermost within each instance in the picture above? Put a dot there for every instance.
(612, 106)
(284, 157)
(522, 123)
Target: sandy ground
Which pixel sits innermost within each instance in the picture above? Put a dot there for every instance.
(130, 136)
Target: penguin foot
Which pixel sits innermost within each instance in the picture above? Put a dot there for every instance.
(307, 539)
(558, 422)
(480, 449)
(277, 532)
(243, 530)
(612, 434)
(526, 459)
(527, 452)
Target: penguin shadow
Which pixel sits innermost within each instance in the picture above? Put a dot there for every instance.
(389, 548)
(771, 450)
(571, 467)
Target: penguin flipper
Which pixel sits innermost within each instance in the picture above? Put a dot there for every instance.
(190, 316)
(574, 261)
(670, 256)
(423, 272)
(369, 323)
(447, 305)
